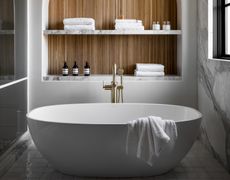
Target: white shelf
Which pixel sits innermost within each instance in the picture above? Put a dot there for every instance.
(112, 32)
(5, 32)
(107, 78)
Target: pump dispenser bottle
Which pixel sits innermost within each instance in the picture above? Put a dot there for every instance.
(87, 69)
(75, 69)
(65, 70)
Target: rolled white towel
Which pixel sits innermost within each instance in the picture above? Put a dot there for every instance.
(149, 74)
(79, 27)
(131, 28)
(128, 21)
(79, 21)
(150, 67)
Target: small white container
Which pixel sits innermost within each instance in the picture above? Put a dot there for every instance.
(164, 25)
(168, 26)
(157, 26)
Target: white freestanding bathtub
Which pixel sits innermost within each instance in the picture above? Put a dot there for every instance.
(89, 139)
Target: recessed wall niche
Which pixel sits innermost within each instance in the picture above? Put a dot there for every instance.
(101, 51)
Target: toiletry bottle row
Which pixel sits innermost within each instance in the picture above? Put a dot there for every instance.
(75, 70)
(166, 26)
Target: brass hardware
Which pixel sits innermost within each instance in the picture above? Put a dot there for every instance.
(116, 90)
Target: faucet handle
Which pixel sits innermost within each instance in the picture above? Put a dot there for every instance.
(106, 87)
(120, 71)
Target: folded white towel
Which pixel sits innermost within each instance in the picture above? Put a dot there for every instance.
(150, 67)
(79, 21)
(148, 74)
(127, 21)
(129, 24)
(149, 136)
(79, 27)
(131, 28)
(121, 26)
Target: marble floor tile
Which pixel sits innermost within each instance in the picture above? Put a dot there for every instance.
(197, 165)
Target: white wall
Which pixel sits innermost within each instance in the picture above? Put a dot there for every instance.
(182, 92)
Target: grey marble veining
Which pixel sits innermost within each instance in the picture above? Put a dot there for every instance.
(197, 165)
(112, 32)
(108, 78)
(14, 153)
(214, 81)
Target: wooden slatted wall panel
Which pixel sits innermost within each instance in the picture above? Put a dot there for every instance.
(102, 51)
(6, 55)
(7, 14)
(7, 41)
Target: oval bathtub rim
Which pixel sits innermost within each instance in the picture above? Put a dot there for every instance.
(108, 124)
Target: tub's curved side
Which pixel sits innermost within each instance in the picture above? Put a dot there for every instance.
(99, 150)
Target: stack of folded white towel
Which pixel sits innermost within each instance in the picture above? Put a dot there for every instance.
(149, 70)
(79, 24)
(128, 24)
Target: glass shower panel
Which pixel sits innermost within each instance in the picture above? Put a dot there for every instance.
(13, 66)
(13, 110)
(13, 40)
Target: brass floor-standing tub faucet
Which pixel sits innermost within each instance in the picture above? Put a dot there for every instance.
(116, 90)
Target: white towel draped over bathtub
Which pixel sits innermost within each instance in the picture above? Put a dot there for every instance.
(149, 136)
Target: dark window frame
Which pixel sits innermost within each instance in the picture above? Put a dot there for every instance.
(219, 30)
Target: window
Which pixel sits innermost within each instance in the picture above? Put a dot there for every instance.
(222, 29)
(227, 26)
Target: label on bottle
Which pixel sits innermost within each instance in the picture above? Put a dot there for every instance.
(86, 71)
(75, 71)
(65, 71)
